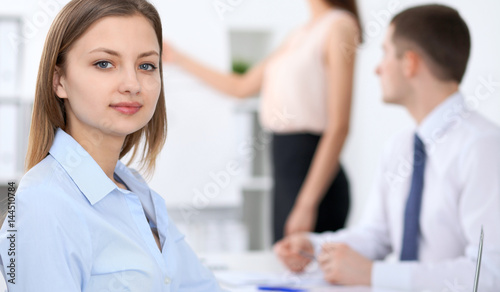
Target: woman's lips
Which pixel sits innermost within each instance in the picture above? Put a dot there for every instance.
(127, 108)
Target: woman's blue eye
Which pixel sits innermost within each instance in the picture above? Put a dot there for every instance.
(103, 64)
(147, 67)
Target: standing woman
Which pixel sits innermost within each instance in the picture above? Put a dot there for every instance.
(84, 220)
(306, 89)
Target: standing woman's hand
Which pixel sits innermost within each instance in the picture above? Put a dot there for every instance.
(301, 219)
(170, 54)
(291, 249)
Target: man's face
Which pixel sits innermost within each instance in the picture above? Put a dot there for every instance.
(390, 70)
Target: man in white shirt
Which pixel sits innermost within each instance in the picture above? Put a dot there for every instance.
(438, 183)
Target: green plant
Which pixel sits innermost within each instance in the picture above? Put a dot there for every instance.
(240, 66)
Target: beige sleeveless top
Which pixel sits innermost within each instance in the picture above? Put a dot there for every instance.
(294, 89)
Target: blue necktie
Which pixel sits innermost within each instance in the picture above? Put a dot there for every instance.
(409, 251)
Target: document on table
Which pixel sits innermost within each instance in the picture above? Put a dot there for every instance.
(238, 279)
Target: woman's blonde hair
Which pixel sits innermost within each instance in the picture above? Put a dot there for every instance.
(48, 109)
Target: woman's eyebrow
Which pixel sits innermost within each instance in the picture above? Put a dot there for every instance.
(150, 53)
(107, 51)
(115, 53)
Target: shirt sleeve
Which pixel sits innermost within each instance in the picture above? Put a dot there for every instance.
(371, 237)
(51, 249)
(479, 205)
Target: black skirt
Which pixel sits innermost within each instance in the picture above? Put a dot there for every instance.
(292, 157)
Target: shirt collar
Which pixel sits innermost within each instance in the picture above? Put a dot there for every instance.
(132, 178)
(439, 120)
(81, 167)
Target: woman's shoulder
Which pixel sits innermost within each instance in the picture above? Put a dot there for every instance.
(44, 207)
(344, 27)
(46, 184)
(339, 21)
(343, 15)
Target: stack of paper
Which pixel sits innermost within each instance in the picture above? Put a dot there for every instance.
(238, 279)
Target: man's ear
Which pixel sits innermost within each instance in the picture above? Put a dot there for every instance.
(58, 83)
(411, 63)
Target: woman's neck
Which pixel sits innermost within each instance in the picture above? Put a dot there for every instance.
(104, 149)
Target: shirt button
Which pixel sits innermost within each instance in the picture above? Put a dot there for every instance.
(167, 280)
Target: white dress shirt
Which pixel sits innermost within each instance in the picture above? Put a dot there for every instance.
(461, 193)
(75, 230)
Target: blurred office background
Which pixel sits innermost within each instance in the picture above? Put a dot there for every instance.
(214, 172)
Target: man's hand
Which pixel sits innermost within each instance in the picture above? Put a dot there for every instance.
(342, 265)
(291, 250)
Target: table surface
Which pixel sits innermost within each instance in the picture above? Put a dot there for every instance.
(261, 262)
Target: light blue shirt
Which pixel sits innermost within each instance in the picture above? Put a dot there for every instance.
(77, 231)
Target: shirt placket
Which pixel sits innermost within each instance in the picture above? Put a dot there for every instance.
(144, 228)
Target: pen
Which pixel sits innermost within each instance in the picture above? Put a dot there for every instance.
(478, 263)
(284, 289)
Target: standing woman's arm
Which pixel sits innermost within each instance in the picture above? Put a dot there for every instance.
(240, 86)
(340, 60)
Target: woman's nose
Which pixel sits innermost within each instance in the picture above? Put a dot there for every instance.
(130, 82)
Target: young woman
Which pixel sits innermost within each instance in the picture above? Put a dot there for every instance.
(306, 98)
(84, 220)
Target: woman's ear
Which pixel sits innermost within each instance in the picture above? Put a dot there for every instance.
(58, 83)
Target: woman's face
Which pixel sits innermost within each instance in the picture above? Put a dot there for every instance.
(111, 82)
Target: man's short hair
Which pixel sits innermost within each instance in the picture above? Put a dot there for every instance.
(440, 33)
